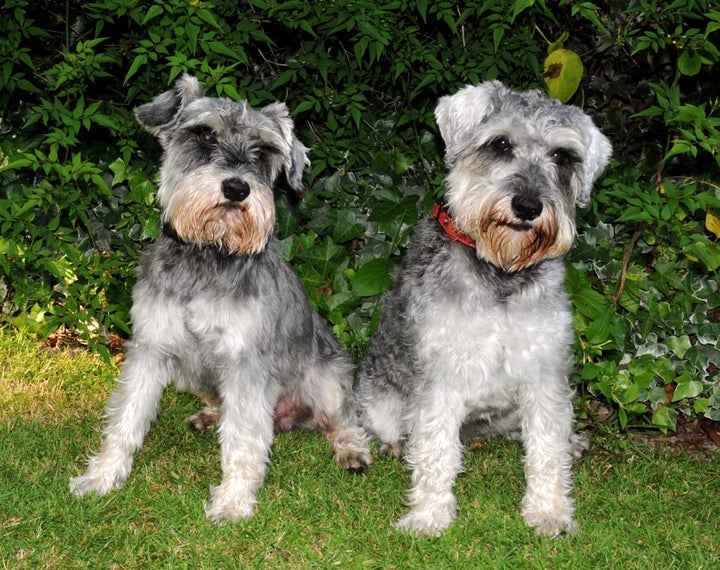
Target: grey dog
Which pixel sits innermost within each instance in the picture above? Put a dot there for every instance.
(217, 311)
(477, 328)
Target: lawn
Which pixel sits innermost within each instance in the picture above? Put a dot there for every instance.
(638, 506)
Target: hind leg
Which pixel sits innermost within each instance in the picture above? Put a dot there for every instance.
(508, 426)
(382, 411)
(207, 418)
(323, 400)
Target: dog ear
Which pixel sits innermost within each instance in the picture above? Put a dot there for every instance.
(597, 154)
(459, 114)
(161, 111)
(294, 152)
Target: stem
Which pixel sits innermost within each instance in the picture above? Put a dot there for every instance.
(626, 262)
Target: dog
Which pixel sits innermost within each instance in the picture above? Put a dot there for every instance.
(476, 332)
(216, 309)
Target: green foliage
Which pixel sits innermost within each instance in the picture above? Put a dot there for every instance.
(362, 80)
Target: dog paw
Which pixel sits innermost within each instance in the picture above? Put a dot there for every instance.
(355, 462)
(204, 420)
(225, 506)
(546, 524)
(580, 446)
(99, 484)
(427, 522)
(395, 449)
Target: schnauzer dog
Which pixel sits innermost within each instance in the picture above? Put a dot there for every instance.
(217, 311)
(477, 328)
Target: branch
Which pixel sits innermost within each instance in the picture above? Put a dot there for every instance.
(625, 263)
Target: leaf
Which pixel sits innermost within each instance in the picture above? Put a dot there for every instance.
(208, 17)
(712, 223)
(562, 72)
(631, 394)
(590, 303)
(701, 405)
(664, 418)
(371, 31)
(519, 6)
(346, 227)
(390, 210)
(689, 62)
(305, 105)
(707, 252)
(421, 6)
(154, 10)
(688, 389)
(598, 331)
(137, 63)
(321, 256)
(373, 278)
(237, 54)
(679, 345)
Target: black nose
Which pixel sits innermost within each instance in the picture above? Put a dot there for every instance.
(235, 189)
(526, 208)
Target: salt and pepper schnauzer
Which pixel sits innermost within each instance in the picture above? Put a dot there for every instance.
(477, 329)
(218, 311)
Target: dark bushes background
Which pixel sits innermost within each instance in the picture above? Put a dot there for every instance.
(362, 80)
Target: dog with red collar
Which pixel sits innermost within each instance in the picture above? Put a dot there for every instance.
(476, 332)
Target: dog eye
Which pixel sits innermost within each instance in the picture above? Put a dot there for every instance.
(501, 145)
(207, 137)
(264, 151)
(564, 157)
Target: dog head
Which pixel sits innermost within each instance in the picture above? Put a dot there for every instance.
(220, 163)
(518, 165)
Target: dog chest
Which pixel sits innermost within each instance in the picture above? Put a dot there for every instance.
(480, 340)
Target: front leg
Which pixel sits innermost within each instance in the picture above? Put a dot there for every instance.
(130, 410)
(246, 434)
(547, 423)
(434, 454)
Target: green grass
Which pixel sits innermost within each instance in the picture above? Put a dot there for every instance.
(637, 507)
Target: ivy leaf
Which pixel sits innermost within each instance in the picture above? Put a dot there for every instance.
(322, 256)
(390, 210)
(687, 387)
(373, 278)
(664, 418)
(679, 345)
(347, 227)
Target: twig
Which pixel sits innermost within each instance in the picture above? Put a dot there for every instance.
(626, 262)
(702, 182)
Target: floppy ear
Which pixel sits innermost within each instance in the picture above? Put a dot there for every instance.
(294, 153)
(457, 114)
(161, 111)
(295, 166)
(597, 154)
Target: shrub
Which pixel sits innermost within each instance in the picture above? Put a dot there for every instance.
(362, 80)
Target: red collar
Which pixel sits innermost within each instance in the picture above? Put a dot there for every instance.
(448, 224)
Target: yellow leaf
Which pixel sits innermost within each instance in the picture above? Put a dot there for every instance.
(562, 73)
(712, 223)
